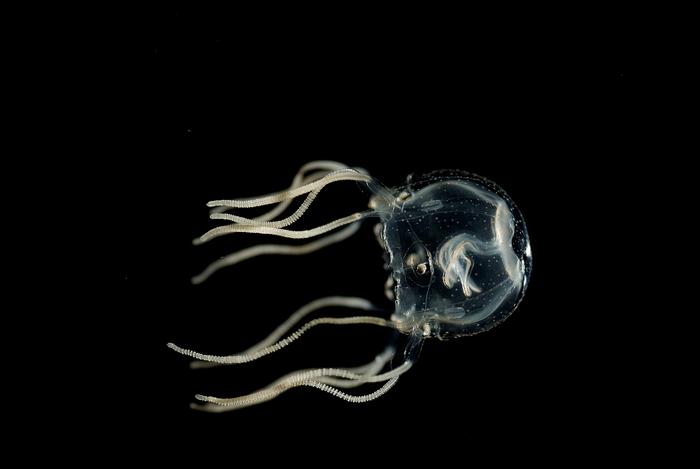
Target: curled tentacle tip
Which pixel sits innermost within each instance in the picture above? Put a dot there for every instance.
(172, 346)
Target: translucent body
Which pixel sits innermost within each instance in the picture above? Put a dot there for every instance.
(455, 243)
(458, 251)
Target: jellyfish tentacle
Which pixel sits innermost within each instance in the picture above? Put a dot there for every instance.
(295, 379)
(342, 377)
(259, 399)
(279, 249)
(284, 233)
(323, 167)
(217, 213)
(277, 223)
(350, 397)
(324, 379)
(249, 357)
(249, 225)
(346, 174)
(284, 383)
(294, 318)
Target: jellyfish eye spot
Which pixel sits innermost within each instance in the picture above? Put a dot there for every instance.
(403, 196)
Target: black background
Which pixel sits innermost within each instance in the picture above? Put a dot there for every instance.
(232, 107)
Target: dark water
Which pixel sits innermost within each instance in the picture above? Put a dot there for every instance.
(227, 114)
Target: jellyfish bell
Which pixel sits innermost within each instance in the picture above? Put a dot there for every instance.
(455, 243)
(458, 252)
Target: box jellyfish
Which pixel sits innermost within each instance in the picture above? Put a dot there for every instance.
(456, 247)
